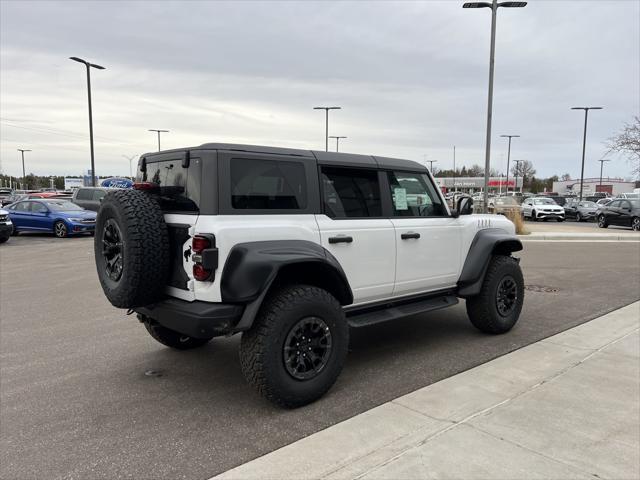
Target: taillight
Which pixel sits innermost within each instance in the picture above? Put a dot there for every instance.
(205, 257)
(199, 243)
(146, 186)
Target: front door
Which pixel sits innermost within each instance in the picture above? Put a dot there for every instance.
(353, 230)
(428, 239)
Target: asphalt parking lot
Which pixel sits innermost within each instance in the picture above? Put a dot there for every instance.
(85, 392)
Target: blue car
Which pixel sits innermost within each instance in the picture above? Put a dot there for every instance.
(61, 217)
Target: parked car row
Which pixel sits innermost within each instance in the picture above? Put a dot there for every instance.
(621, 211)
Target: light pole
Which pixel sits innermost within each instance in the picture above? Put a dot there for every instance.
(494, 10)
(89, 65)
(454, 169)
(158, 132)
(515, 188)
(337, 141)
(130, 168)
(431, 162)
(584, 141)
(24, 175)
(602, 160)
(509, 155)
(326, 136)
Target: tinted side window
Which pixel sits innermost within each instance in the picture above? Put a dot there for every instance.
(614, 204)
(268, 185)
(413, 195)
(38, 207)
(84, 194)
(22, 207)
(98, 194)
(351, 193)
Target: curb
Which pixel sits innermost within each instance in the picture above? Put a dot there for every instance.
(612, 237)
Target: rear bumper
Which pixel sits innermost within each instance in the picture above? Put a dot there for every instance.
(195, 319)
(6, 229)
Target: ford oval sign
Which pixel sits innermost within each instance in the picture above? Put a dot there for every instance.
(117, 183)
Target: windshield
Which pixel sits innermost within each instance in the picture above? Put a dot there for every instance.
(506, 201)
(544, 201)
(588, 204)
(62, 206)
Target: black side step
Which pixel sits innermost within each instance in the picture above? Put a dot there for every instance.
(365, 317)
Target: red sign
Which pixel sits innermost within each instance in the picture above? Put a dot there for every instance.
(503, 183)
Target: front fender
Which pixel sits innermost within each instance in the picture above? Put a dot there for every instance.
(487, 242)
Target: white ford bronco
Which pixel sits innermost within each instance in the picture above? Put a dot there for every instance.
(292, 248)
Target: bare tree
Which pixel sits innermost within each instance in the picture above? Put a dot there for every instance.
(627, 142)
(565, 176)
(523, 169)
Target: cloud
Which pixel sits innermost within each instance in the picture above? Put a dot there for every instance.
(411, 78)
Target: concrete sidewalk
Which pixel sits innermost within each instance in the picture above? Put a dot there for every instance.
(577, 232)
(565, 407)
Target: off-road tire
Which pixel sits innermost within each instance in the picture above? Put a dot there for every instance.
(262, 347)
(173, 339)
(483, 310)
(602, 221)
(144, 248)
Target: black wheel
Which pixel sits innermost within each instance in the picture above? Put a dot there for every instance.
(131, 249)
(602, 221)
(497, 308)
(534, 218)
(635, 224)
(296, 347)
(560, 219)
(173, 339)
(60, 229)
(578, 217)
(3, 239)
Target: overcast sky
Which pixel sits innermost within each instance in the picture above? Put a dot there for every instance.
(411, 78)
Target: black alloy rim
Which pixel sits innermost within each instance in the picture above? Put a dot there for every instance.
(112, 250)
(61, 229)
(636, 224)
(307, 348)
(507, 295)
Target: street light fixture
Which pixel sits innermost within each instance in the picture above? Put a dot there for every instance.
(130, 167)
(584, 141)
(24, 176)
(89, 66)
(158, 132)
(326, 109)
(509, 155)
(431, 162)
(602, 160)
(494, 10)
(337, 141)
(515, 188)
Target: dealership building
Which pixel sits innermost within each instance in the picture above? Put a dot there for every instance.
(612, 186)
(476, 184)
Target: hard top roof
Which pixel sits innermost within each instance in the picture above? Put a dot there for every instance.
(324, 158)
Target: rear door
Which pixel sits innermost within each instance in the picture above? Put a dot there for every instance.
(20, 214)
(178, 176)
(354, 230)
(428, 239)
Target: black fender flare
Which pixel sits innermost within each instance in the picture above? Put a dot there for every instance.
(252, 267)
(487, 242)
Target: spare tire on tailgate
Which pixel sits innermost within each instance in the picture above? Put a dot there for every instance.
(131, 248)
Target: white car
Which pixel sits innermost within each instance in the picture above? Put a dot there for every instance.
(542, 208)
(291, 248)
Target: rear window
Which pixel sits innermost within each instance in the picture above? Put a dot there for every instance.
(84, 194)
(268, 185)
(179, 186)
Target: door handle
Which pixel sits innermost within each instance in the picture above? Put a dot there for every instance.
(408, 235)
(341, 239)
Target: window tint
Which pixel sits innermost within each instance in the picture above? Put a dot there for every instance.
(22, 207)
(413, 195)
(268, 185)
(614, 204)
(37, 207)
(99, 194)
(84, 194)
(351, 193)
(179, 186)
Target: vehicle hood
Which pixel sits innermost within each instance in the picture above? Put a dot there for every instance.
(77, 214)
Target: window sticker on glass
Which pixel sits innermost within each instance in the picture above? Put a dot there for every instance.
(400, 198)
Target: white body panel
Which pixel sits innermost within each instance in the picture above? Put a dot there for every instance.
(431, 262)
(230, 230)
(369, 261)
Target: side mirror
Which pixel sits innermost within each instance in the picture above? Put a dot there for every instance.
(464, 206)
